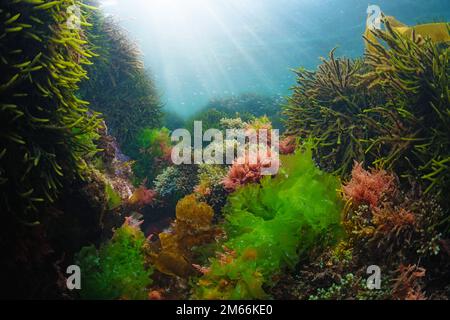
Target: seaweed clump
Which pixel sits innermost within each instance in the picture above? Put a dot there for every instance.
(210, 186)
(46, 130)
(328, 105)
(192, 228)
(414, 74)
(48, 136)
(118, 270)
(154, 153)
(176, 182)
(269, 226)
(396, 230)
(119, 86)
(368, 187)
(390, 109)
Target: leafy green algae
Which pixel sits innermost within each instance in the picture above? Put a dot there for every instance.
(117, 270)
(270, 225)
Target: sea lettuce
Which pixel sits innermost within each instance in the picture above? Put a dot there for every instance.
(270, 226)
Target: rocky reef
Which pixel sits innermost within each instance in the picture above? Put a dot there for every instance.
(363, 176)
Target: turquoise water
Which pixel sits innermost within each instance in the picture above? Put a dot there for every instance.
(201, 49)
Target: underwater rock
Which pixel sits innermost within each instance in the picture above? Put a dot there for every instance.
(116, 165)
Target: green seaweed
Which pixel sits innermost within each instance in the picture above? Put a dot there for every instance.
(113, 198)
(46, 130)
(328, 105)
(117, 270)
(389, 110)
(154, 149)
(270, 226)
(176, 182)
(246, 106)
(414, 73)
(118, 85)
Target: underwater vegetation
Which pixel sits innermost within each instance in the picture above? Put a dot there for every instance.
(414, 73)
(112, 197)
(154, 154)
(245, 106)
(117, 270)
(363, 178)
(243, 172)
(48, 135)
(192, 227)
(397, 230)
(368, 187)
(435, 31)
(210, 186)
(269, 225)
(62, 177)
(328, 104)
(142, 197)
(118, 85)
(380, 211)
(176, 182)
(46, 129)
(390, 109)
(288, 145)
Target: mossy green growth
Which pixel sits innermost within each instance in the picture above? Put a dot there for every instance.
(113, 197)
(46, 130)
(270, 226)
(119, 86)
(414, 72)
(117, 270)
(390, 109)
(328, 104)
(154, 146)
(151, 140)
(245, 106)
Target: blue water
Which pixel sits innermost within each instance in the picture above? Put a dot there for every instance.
(200, 49)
